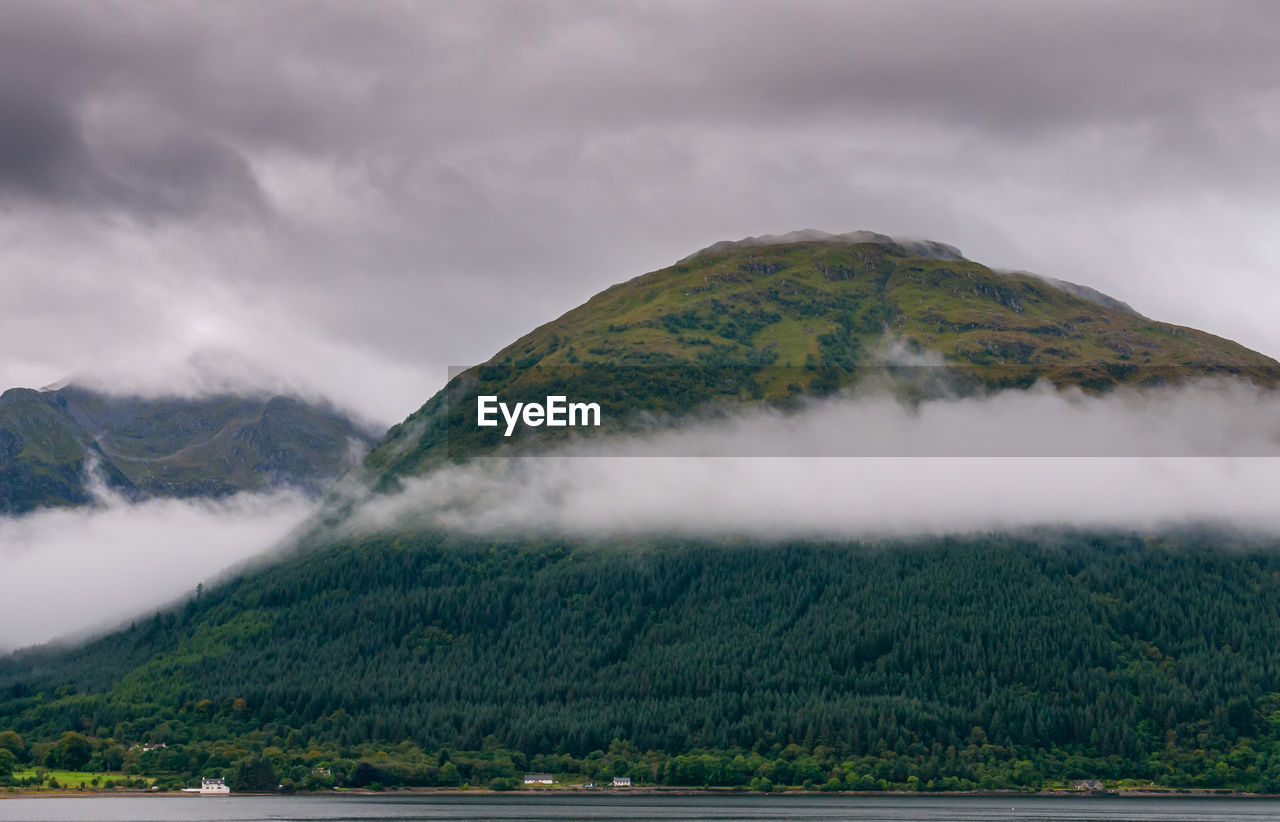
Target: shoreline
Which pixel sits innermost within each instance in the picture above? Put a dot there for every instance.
(657, 790)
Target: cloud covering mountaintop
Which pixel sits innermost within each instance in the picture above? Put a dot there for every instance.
(929, 249)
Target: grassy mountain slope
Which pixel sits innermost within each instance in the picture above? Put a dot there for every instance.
(746, 322)
(170, 446)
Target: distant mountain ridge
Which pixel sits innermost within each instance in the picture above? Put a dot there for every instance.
(166, 446)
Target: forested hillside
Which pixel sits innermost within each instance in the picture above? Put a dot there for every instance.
(997, 661)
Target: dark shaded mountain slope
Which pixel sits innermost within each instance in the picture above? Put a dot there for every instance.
(50, 441)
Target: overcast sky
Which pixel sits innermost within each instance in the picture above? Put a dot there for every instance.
(350, 197)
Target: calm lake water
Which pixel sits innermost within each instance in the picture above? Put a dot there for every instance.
(638, 808)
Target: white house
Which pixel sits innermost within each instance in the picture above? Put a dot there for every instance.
(622, 782)
(210, 787)
(538, 779)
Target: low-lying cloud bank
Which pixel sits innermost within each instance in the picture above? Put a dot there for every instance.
(1199, 454)
(74, 569)
(1206, 453)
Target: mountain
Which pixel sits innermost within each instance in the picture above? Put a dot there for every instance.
(992, 661)
(765, 319)
(51, 441)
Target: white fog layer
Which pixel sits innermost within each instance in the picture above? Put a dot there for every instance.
(1206, 453)
(71, 570)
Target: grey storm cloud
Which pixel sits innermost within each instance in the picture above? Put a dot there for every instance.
(46, 157)
(386, 87)
(42, 152)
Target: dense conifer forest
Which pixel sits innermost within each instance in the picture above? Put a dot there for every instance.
(940, 664)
